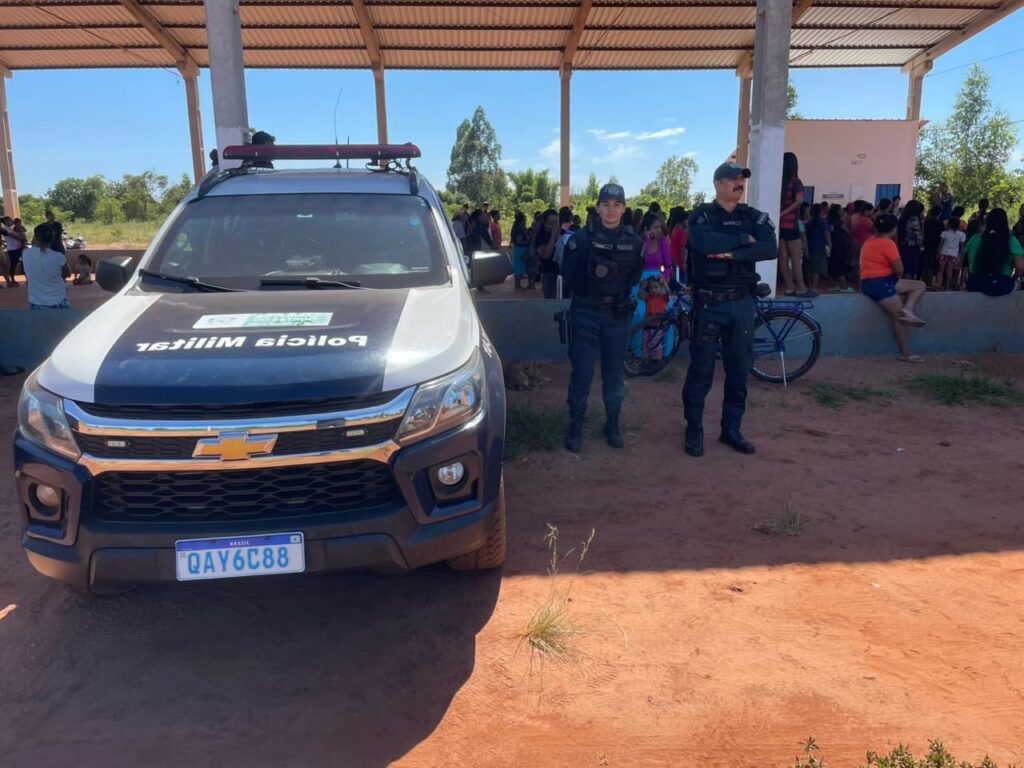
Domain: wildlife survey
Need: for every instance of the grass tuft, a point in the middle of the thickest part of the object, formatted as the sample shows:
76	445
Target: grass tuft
790	523
832	395
529	429
968	390
550	632
810	758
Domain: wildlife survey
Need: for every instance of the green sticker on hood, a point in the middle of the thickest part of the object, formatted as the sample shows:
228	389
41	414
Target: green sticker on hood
265	320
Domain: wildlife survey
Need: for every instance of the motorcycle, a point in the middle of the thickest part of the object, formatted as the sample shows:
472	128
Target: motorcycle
74	242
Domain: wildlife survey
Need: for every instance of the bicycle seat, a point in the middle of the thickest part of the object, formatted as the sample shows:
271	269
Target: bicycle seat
763	291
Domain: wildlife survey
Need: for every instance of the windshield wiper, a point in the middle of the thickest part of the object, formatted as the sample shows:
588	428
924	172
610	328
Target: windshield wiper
191	282
310	283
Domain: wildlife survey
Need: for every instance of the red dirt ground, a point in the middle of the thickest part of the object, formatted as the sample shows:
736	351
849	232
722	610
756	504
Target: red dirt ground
897	615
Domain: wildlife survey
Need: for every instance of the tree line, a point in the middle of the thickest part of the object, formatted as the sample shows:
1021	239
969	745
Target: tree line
475	175
147	196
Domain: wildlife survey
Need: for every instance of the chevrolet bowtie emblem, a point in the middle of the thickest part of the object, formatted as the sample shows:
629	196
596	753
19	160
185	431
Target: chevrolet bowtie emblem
234	446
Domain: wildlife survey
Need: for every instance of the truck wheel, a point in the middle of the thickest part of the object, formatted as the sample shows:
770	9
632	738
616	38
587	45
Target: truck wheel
492	553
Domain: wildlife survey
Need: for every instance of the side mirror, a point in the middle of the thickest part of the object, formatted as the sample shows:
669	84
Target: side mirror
488	268
113	274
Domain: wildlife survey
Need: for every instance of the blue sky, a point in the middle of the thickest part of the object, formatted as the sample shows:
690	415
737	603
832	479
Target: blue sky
111	122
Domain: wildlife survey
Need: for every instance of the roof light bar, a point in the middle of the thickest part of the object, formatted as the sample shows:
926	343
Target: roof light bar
372	152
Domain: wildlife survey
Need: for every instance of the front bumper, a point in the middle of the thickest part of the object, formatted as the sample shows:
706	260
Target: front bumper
85	550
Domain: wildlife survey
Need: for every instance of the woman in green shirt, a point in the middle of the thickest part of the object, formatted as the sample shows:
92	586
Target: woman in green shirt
992	256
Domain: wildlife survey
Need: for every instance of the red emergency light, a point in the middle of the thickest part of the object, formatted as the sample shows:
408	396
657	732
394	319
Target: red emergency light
375	153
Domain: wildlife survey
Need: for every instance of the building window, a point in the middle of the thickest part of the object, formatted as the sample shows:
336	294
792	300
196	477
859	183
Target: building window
808	194
888	191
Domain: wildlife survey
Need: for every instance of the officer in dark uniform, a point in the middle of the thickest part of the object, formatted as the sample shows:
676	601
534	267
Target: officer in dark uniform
601	265
726	240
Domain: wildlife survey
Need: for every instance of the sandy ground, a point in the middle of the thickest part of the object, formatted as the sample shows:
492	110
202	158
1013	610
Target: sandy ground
895	617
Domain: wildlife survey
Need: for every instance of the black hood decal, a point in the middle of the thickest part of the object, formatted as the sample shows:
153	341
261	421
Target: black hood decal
183	349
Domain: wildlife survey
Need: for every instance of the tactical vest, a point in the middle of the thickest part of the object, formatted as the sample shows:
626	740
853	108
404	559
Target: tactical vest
610	263
724	272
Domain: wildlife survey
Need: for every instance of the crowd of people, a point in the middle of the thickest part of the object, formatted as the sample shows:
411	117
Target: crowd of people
42	256
938	245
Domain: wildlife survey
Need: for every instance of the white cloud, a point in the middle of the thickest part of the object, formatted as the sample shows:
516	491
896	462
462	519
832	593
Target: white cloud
619	153
664	133
510	162
551	149
690	154
602	135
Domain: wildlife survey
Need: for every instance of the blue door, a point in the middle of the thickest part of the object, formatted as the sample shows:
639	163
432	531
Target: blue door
888	191
808	194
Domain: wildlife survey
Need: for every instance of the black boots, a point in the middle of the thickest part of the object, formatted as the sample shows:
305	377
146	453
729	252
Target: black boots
733	438
611	428
694	444
574	437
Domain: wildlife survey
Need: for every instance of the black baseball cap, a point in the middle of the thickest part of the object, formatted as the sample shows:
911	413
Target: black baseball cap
612	192
731	171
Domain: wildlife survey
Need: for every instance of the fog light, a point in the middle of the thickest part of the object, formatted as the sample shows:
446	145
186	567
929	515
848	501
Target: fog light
48	496
451	474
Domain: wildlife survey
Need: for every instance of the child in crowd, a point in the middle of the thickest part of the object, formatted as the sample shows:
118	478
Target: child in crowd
654	293
951	247
83	272
818	245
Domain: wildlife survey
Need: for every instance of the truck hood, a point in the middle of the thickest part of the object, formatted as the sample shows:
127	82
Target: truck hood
145	348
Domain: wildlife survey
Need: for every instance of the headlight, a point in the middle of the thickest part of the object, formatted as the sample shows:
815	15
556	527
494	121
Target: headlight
41	419
445	403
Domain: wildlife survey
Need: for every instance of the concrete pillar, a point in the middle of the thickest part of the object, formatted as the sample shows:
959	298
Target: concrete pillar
564	195
743	122
227	75
916	89
382	106
7	155
195	124
768	114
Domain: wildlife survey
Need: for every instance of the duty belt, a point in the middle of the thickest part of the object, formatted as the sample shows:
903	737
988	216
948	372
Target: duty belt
709	296
602	304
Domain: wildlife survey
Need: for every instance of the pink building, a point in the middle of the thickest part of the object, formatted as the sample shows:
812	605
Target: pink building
846	160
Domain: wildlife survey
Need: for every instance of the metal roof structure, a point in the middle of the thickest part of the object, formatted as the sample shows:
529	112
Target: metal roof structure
476	34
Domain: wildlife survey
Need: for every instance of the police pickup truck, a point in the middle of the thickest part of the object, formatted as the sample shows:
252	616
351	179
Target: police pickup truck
294	379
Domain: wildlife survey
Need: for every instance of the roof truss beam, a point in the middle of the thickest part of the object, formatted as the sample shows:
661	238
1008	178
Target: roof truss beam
187	65
953	39
579	23
369	35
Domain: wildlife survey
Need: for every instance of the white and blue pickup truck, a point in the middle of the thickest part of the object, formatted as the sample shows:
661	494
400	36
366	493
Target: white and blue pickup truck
294	379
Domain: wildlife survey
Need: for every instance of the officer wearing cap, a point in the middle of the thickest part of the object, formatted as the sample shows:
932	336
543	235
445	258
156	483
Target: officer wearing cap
601	265
726	239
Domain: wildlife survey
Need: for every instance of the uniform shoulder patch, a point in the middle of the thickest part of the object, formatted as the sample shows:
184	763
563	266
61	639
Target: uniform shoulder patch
765	220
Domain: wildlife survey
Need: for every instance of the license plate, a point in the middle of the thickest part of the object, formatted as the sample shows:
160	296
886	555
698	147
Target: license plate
234	556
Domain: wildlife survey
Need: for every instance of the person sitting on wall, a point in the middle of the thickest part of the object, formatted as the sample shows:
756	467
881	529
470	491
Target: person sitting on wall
992	256
881	279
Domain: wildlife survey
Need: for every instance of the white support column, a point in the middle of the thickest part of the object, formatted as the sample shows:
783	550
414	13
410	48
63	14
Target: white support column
743	122
564	196
7	154
195	123
768	114
227	74
382	105
916	88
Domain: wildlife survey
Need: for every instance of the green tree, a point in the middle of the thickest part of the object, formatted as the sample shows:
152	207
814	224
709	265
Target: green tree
174	194
699	199
972	149
475	172
77	196
673	181
109	211
593	189
138	194
792	97
32	209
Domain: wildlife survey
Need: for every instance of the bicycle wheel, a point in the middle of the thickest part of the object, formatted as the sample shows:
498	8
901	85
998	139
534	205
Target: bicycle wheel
786	345
639	360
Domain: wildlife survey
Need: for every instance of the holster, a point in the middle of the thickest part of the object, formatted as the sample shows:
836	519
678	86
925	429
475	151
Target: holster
564	321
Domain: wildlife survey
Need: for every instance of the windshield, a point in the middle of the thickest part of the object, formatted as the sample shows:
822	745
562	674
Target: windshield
376	241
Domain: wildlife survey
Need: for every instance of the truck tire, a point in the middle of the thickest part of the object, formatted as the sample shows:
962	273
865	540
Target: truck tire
492	553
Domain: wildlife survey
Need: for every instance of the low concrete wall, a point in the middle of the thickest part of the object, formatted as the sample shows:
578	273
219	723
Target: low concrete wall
958	323
852	325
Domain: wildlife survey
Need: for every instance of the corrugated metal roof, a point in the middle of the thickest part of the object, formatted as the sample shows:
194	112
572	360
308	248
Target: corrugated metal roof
480	34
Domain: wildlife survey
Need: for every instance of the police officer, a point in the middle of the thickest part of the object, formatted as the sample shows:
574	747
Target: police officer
601	265
726	239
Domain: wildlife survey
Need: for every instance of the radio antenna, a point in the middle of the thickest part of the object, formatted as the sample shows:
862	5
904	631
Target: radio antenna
337	160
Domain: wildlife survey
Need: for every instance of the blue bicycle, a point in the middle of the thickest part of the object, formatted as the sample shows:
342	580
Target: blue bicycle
787	340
